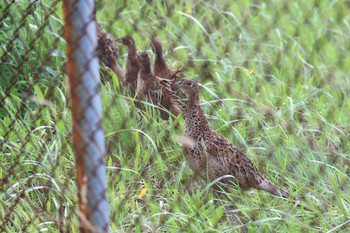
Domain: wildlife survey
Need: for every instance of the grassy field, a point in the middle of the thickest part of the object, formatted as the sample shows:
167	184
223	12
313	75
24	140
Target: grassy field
275	79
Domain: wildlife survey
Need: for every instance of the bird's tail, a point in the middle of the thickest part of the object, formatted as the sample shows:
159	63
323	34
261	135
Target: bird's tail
157	47
268	186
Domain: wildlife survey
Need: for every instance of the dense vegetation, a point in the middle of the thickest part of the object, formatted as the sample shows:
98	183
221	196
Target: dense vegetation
275	79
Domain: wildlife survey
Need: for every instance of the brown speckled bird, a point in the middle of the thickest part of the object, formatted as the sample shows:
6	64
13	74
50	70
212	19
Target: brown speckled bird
107	52
160	67
211	155
158	90
132	64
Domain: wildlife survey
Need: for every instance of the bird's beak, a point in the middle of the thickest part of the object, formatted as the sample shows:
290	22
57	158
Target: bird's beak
178	84
118	40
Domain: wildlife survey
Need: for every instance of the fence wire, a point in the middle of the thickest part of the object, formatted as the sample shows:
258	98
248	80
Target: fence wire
33	111
54	154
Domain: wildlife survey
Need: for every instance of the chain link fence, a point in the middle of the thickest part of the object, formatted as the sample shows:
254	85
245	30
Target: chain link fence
78	155
37	160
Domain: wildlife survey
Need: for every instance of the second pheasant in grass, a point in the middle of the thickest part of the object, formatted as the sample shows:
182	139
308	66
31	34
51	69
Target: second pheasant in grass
211	155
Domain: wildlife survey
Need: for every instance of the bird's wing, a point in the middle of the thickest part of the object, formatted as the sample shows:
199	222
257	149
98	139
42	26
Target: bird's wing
233	160
164	83
217	145
175	99
175	73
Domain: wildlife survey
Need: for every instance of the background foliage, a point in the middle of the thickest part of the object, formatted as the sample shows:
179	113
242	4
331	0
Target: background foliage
275	78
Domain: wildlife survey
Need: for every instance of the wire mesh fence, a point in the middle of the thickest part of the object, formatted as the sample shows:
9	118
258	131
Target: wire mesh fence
82	149
33	115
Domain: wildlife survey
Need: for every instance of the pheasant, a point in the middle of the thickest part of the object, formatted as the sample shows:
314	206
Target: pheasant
162	70
160	67
107	52
132	64
158	90
211	155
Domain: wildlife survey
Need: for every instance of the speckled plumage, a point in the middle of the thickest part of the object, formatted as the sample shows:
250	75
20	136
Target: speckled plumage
107	52
161	68
156	89
211	155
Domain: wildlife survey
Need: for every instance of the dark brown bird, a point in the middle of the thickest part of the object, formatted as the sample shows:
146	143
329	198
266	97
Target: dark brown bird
160	67
107	52
156	89
211	155
132	64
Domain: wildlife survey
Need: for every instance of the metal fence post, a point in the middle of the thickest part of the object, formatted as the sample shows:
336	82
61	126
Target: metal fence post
80	32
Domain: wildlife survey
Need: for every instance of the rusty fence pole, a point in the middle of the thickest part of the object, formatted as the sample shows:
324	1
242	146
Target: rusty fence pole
83	73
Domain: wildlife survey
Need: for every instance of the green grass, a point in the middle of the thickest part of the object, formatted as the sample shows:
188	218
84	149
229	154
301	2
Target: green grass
275	79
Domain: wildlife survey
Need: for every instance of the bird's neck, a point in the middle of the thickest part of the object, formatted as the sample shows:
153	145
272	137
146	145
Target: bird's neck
132	51
193	101
195	121
145	70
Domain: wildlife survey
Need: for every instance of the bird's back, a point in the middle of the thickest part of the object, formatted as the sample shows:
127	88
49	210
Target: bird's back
215	156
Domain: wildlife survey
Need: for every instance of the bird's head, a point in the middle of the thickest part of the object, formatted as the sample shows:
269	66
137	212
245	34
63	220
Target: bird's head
188	85
126	40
